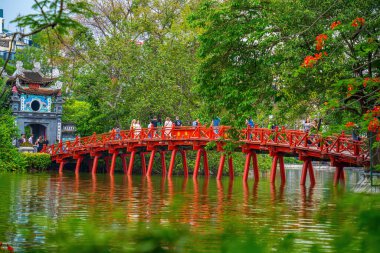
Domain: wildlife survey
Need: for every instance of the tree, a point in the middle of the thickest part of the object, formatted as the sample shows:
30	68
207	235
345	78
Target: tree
252	51
136	60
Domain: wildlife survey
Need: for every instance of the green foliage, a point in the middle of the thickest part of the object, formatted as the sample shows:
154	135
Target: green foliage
26	144
10	158
78	112
37	161
234	73
55	13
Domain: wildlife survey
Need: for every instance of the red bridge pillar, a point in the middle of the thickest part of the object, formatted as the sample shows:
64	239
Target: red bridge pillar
221	166
339	176
131	162
95	163
78	163
151	161
143	163
201	152
280	159
124	163
61	165
307	166
172	162
113	161
163	163
248	157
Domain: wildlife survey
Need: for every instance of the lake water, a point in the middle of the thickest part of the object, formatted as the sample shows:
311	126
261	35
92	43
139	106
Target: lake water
203	204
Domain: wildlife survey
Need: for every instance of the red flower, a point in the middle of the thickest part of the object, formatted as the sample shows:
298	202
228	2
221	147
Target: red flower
334	24
350	124
358	21
321	38
366	81
373	125
350	87
10	248
376	111
310	60
378	136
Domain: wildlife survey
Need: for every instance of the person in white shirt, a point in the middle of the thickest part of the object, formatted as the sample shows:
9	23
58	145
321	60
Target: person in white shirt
30	140
168	127
137	128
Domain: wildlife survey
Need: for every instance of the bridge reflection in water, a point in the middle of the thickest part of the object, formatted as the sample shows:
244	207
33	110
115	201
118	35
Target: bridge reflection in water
143	198
124	200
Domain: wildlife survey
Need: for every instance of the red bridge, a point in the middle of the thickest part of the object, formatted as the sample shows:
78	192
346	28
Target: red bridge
340	150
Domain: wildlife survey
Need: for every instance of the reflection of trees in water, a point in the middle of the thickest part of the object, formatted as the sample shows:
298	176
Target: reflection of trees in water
201	202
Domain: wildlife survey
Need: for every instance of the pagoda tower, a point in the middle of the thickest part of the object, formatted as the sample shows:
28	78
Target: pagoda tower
36	102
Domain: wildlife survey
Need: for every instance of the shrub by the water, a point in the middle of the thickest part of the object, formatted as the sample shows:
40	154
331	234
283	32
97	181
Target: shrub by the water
10	158
37	161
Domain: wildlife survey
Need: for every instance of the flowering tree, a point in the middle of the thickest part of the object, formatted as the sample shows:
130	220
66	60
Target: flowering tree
355	97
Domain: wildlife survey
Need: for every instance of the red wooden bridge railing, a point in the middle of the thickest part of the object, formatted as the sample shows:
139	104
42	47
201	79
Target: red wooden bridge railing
340	149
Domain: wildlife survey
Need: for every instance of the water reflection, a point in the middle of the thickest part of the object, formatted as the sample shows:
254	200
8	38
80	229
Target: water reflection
123	199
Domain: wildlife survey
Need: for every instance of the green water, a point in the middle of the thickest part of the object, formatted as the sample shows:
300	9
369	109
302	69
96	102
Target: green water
29	201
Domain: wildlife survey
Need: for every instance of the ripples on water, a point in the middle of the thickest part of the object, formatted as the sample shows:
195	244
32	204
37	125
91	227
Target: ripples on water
204	204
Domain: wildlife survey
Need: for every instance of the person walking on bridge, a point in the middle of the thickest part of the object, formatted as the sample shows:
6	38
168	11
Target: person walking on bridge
215	124
137	128
168	127
177	122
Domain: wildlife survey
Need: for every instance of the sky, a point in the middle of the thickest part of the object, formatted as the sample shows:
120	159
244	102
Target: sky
12	8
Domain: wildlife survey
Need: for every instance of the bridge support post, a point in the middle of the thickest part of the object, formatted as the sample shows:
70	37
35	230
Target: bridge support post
107	162
78	163
95	164
230	168
197	163
201	152
151	161
205	163
61	165
143	163
124	163
280	159
163	163
131	162
113	162
255	167
339	175
184	162
172	162
221	166
253	156
307	167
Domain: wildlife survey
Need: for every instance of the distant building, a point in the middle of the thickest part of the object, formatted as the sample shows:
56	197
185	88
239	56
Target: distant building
68	131
36	102
6	41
